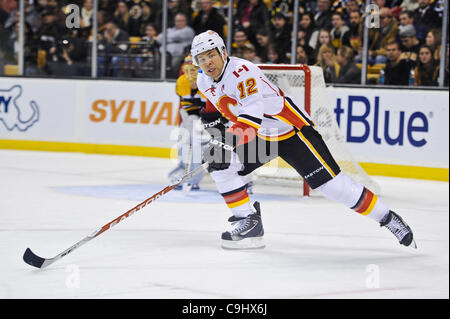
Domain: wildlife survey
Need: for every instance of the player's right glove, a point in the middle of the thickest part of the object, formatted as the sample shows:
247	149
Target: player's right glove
221	146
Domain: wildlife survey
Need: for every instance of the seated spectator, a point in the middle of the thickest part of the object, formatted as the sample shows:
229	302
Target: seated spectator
301	57
311	34
322	17
122	16
340	32
114	39
250	16
356	31
324	38
87	12
111	48
326	59
379	37
262	38
249	53
240	40
275	55
426	15
147	16
301	40
281	33
148	64
208	18
407	17
150	33
178	39
410	44
426	72
397	70
433	40
348	72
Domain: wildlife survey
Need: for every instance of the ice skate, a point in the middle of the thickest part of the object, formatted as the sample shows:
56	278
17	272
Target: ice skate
399	228
247	233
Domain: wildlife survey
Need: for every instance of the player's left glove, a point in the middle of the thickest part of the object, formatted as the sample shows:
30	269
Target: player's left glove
219	151
224	142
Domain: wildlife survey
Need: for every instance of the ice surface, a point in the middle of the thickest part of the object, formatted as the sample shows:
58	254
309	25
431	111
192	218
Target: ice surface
171	249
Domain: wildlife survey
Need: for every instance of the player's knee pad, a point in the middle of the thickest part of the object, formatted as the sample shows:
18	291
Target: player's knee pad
342	189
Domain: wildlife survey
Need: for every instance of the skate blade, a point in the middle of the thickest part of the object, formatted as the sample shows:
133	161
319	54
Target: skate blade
247	243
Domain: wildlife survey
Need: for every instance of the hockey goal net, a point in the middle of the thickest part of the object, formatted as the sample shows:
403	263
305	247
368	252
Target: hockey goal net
307	85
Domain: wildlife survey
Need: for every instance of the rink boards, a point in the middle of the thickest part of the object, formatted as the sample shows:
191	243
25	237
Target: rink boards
391	132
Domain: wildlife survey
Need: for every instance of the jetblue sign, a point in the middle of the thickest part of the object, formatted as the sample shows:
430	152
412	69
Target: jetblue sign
405	127
382	128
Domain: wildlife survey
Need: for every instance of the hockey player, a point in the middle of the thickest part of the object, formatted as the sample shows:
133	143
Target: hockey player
191	140
264	116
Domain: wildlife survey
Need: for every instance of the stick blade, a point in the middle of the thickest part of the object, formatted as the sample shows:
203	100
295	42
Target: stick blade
32	259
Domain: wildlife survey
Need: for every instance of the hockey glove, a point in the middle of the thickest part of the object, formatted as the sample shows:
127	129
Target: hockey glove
224	141
221	146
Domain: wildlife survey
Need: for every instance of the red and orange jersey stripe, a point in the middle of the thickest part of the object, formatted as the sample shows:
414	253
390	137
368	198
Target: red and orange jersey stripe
292	115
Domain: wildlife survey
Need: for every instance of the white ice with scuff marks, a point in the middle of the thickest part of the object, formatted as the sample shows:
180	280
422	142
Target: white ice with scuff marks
171	249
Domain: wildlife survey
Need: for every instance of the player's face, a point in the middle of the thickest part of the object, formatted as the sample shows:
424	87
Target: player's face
211	63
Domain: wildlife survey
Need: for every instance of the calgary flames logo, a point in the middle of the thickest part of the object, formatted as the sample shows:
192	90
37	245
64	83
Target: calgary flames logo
224	107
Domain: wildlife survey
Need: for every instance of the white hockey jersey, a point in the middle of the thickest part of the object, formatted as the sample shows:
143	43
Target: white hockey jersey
245	94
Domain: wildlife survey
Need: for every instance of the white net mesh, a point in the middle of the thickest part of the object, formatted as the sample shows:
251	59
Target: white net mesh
292	82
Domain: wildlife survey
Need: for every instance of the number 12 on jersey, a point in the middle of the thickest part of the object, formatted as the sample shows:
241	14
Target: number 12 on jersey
248	89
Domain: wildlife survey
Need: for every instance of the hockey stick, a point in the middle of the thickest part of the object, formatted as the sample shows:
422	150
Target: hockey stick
34	260
185	187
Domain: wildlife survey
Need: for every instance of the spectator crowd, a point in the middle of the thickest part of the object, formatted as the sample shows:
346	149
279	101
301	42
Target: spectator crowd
404	46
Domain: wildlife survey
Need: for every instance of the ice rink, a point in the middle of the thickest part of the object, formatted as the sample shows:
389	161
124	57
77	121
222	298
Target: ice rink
171	249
